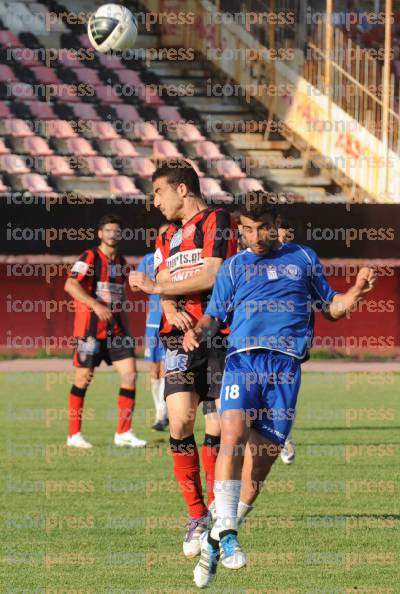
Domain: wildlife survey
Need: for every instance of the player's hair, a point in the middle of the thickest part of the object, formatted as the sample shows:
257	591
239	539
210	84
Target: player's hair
179	171
257	205
109	218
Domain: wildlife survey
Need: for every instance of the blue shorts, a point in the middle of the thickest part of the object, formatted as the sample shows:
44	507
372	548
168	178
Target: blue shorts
154	349
265	384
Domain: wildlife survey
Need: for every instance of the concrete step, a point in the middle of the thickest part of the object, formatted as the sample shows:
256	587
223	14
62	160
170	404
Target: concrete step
274	159
175	69
256	142
214	105
309	194
294	177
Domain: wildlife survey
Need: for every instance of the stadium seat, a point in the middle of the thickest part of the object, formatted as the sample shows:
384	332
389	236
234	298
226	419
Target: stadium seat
142	167
85	111
5	111
69	59
9	39
229	169
46	75
7	74
149	95
100	166
24	91
3	187
35	146
127	112
88	76
129	77
13	164
66	93
188	133
146	132
169	113
195	167
80	147
121	185
26	58
107	94
250	184
211	188
35	184
207	150
57	166
110	62
15	127
42	111
165	149
57	128
122	148
4	150
100	130
84	40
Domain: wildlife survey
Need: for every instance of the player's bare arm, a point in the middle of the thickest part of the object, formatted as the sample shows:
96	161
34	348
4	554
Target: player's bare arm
343	303
180	319
204	280
75	289
205	328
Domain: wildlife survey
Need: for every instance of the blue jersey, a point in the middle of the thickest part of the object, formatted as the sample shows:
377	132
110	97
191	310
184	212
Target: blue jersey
268	300
154	304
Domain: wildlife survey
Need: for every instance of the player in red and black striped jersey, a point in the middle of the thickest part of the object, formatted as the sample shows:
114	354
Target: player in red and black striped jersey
97	284
187	258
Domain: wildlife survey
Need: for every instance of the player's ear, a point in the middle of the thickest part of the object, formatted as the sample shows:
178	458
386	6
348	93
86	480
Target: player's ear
99	234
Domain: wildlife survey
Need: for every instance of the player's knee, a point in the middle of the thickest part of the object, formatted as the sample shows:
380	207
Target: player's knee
83	378
128	380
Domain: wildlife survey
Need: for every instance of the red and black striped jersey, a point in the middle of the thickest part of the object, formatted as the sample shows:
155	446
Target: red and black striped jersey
182	249
103	279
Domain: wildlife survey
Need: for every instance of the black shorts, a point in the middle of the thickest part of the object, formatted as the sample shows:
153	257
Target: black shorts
197	371
90	353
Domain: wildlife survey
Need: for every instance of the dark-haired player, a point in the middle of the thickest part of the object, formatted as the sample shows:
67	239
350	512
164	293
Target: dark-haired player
97	284
187	259
267	295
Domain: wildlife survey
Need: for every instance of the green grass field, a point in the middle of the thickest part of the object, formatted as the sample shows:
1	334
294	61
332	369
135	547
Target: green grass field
111	521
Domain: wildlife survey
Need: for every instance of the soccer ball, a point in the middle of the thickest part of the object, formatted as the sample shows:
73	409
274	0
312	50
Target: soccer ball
111	28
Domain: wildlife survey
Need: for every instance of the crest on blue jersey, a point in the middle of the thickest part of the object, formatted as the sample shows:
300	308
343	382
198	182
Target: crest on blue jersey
272	272
176	239
292	271
174	361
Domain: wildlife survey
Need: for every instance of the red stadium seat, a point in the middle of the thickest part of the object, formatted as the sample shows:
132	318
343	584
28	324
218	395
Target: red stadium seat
35	145
13	164
6	74
80	147
146	132
66	93
88	76
143	167
195	167
5	111
85	111
9	39
229	169
111	62
129	77
250	184
24	91
41	110
70	60
122	185
210	187
3	149
208	150
58	166
26	57
127	112
189	133
107	94
58	129
123	148
169	113
84	40
149	95
165	149
100	166
45	75
35	184
103	130
18	128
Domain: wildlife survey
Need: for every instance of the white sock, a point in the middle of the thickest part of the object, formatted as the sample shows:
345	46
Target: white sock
155	391
242	511
227	495
162	405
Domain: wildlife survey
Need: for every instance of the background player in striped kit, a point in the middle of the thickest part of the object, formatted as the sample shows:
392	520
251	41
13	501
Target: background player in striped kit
187	259
97	284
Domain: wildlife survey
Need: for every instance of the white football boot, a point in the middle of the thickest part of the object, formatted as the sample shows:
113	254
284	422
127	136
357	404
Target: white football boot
232	556
129	440
78	441
205	571
195	528
288	452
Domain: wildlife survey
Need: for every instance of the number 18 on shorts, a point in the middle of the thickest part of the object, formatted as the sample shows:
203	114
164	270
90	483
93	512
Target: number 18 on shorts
265	385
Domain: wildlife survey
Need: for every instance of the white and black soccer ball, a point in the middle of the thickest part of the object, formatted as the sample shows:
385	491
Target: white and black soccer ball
112	28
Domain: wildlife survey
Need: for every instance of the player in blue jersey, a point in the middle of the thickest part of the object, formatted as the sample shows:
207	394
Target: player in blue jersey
154	349
267	294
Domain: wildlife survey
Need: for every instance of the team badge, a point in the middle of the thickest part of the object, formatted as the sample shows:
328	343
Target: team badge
271	272
80	267
292	271
157	258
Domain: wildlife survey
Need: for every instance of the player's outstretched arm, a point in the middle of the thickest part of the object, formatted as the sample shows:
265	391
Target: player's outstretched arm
342	303
203	280
205	328
75	289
